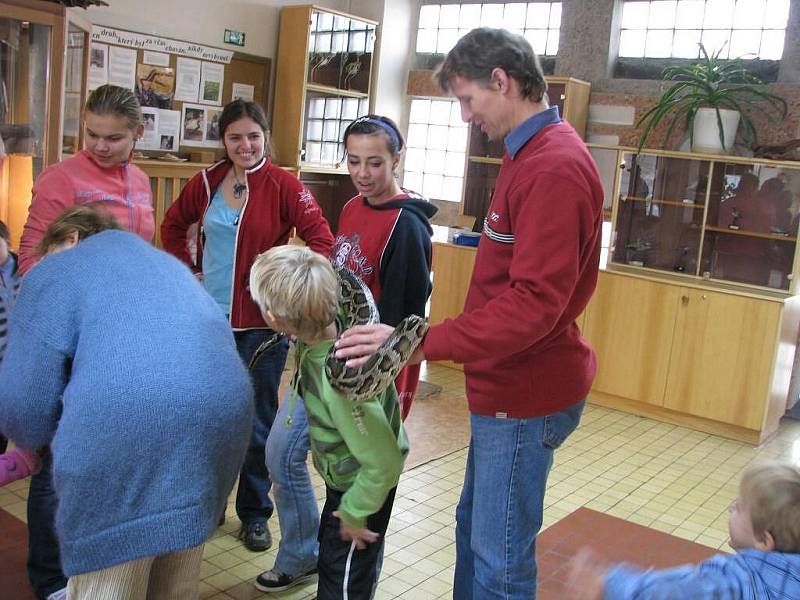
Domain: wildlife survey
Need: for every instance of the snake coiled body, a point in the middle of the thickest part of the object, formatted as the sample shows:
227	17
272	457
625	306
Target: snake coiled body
380	370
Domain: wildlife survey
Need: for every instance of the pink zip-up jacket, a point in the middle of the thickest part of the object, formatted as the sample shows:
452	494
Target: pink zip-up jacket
124	190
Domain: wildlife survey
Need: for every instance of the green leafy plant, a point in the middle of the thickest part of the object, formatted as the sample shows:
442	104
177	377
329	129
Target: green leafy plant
711	83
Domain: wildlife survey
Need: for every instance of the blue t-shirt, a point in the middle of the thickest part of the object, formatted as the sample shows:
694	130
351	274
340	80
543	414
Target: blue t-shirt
220	227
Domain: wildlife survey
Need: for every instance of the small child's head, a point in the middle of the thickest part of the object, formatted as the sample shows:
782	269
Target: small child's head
73	225
766	514
296	290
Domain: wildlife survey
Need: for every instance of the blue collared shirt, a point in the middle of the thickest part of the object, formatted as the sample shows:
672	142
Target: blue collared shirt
747	575
520	135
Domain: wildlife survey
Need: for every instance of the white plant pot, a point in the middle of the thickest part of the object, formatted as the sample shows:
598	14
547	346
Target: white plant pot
705	132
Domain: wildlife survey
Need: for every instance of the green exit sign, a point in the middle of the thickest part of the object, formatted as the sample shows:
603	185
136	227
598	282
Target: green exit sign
234	37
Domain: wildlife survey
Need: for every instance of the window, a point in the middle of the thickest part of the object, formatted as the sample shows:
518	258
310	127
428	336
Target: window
436	149
441	25
674	28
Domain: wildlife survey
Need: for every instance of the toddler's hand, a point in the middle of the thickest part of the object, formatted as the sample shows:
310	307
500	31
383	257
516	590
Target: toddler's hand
586	579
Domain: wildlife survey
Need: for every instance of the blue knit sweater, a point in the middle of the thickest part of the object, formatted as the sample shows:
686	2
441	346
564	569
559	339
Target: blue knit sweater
157	406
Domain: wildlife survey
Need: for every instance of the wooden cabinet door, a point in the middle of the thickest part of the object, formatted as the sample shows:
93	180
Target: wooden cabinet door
629	323
722	357
452	272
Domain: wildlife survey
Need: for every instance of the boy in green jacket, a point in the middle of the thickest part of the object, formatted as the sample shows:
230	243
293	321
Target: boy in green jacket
358	449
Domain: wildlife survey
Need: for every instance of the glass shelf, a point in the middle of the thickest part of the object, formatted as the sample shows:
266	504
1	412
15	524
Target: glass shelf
727	220
340	52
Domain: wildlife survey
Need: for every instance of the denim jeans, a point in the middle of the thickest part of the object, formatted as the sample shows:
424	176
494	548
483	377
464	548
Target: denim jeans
501	505
252	499
44	557
287	449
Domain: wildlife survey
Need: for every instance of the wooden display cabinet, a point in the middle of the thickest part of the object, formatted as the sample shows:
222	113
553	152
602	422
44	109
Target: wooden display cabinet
323	82
695	321
703	337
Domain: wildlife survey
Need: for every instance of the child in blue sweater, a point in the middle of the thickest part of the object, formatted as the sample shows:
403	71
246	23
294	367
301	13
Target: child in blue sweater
764	530
121	363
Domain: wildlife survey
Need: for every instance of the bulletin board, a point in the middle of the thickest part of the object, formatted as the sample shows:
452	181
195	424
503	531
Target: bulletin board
161	77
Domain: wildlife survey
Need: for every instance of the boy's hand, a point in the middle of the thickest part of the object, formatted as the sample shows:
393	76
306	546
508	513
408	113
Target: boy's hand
360	535
586	580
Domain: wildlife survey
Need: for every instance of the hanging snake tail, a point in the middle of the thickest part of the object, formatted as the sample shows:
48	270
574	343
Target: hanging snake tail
263	347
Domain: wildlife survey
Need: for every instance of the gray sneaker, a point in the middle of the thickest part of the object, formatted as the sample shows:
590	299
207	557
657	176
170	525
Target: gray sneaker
256	536
275	581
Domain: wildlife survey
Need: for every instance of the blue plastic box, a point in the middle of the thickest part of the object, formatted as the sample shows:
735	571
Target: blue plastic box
467	238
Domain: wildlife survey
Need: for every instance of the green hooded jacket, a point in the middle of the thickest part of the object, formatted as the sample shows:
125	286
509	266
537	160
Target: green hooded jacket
358	449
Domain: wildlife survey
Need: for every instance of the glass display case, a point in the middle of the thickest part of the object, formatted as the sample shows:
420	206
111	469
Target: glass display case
340	50
36	48
323	82
725	219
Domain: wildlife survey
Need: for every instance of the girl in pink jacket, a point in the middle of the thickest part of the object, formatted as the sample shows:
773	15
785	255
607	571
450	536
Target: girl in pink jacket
100	174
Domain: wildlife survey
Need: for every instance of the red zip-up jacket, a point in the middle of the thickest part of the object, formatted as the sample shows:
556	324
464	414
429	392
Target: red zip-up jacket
535	270
276	202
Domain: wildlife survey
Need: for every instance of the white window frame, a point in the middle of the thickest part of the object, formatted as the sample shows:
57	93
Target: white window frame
524	18
436	151
684	23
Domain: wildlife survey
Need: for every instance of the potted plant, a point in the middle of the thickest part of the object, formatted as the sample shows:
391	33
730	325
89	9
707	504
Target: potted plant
709	97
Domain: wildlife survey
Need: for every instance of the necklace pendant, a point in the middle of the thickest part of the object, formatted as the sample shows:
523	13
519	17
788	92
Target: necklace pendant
238	189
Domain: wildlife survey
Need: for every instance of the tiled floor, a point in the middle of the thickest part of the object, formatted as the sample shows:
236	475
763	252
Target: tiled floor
668	478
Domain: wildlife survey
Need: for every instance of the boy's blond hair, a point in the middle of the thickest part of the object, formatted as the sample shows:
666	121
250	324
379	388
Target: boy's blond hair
772	494
298	286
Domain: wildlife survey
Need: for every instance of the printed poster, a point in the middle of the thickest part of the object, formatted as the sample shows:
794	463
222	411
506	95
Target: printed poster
243	91
155	58
193	129
98	65
200	126
160	129
187	80
122	67
211	80
155	86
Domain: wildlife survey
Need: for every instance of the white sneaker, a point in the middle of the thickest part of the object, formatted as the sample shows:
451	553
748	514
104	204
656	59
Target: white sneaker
59	595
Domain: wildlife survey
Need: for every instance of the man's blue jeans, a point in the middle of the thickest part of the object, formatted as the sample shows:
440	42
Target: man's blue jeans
287	450
501	505
252	499
44	557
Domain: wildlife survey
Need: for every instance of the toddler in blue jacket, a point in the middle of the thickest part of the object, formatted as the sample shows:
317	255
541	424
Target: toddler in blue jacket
764	530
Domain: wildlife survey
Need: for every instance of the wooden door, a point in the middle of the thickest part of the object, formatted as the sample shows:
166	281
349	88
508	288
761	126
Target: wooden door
629	323
722	356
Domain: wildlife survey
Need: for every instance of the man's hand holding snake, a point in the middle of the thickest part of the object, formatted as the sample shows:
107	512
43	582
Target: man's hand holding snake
361	341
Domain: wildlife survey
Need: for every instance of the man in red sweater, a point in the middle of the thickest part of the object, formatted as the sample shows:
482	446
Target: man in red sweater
528	370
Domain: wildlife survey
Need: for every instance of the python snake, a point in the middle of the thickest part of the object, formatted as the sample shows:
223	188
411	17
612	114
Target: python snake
380	370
